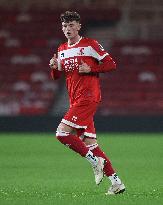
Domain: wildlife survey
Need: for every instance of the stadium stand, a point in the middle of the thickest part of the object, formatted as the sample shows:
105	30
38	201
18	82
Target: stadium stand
27	41
137	86
28	37
25	49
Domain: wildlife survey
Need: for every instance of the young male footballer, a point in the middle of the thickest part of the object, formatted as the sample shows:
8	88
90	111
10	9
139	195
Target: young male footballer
81	60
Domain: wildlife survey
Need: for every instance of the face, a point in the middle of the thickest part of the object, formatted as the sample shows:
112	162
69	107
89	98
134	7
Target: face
71	29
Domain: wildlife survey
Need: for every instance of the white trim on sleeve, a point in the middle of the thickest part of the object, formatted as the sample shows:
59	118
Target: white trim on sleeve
102	57
96	55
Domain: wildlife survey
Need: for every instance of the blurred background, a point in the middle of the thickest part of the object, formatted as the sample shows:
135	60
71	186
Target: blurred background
130	30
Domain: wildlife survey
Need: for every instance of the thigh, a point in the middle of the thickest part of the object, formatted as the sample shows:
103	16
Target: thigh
65	128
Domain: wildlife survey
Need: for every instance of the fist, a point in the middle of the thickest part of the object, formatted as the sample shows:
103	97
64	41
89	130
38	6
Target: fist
53	62
84	68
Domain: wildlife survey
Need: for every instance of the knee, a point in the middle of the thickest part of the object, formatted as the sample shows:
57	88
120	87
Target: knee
61	133
62	136
63	130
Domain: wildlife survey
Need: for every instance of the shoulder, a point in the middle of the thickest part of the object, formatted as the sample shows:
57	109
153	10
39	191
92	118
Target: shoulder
62	47
90	40
94	43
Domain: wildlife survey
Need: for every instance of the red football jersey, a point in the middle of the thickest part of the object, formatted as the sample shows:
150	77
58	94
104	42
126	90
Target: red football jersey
81	86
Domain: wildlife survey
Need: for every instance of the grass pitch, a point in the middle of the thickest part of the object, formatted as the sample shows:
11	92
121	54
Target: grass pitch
36	169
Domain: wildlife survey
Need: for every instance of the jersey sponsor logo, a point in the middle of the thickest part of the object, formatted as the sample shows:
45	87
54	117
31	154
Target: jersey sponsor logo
71	64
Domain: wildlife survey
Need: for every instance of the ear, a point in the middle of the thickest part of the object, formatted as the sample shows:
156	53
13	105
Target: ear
79	27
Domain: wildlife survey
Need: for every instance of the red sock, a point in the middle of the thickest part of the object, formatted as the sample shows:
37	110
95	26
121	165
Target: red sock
74	143
108	169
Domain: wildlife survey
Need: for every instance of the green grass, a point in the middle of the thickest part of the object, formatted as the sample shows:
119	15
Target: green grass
36	169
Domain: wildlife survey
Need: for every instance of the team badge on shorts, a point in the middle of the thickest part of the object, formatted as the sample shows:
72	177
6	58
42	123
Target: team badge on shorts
74	118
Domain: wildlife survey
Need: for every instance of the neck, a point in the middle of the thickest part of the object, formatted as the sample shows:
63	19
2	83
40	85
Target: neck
73	40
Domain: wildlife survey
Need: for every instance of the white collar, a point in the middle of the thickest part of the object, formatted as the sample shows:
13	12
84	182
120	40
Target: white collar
75	43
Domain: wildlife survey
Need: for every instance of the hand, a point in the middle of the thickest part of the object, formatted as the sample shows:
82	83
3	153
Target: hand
54	62
84	68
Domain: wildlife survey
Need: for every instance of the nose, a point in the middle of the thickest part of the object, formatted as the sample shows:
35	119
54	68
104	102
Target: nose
68	28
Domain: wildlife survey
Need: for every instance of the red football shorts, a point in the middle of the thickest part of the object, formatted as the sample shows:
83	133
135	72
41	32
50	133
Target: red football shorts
80	116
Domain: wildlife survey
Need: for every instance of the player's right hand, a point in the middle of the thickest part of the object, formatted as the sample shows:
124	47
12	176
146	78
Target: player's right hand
54	62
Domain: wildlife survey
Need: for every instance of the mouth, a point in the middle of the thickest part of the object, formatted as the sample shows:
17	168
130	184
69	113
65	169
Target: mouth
68	33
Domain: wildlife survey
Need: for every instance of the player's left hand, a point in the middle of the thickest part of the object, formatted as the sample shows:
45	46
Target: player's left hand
84	67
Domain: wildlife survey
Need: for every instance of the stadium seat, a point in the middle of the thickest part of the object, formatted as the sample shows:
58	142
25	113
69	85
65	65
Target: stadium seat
137	85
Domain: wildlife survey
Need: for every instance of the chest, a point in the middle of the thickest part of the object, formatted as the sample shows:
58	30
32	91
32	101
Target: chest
71	58
70	64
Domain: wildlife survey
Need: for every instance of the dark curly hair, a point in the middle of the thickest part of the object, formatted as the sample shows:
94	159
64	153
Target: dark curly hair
70	16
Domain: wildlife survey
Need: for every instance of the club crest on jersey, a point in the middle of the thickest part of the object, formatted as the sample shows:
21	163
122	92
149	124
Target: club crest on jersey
74	118
81	52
